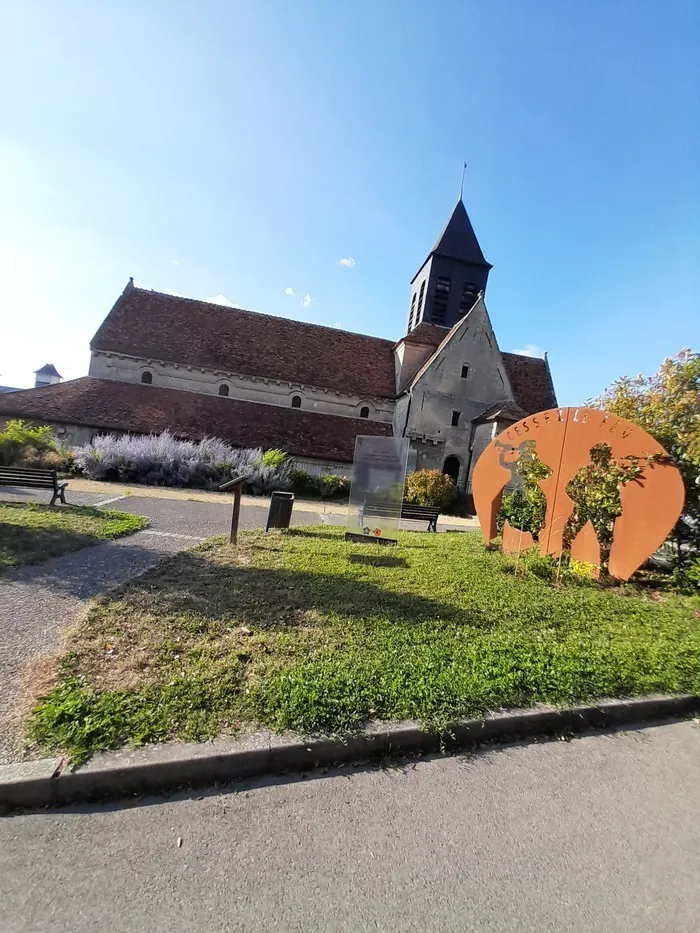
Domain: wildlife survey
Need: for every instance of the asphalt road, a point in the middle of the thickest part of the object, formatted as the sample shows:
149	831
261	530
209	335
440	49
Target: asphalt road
598	834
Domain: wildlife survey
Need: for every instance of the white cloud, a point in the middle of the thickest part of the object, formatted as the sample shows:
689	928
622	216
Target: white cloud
531	349
175	262
221	300
289	291
306	300
337	324
348	262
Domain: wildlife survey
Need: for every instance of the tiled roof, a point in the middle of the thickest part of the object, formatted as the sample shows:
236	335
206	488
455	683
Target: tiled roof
430	334
107	405
531	382
151	325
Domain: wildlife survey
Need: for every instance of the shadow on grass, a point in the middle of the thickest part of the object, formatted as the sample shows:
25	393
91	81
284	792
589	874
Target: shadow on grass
378	560
22	545
274	597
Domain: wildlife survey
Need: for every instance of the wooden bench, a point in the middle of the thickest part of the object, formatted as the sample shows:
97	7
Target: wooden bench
421	513
417	513
30	478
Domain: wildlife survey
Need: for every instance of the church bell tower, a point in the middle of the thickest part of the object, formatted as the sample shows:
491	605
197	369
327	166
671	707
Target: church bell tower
448	283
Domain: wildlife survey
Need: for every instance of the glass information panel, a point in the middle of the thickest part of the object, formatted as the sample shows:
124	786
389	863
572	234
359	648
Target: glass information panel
378	477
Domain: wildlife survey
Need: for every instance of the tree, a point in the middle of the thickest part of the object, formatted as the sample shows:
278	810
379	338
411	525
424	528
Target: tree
667	405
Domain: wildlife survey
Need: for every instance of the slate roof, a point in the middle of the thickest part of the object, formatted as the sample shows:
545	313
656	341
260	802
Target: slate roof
48	369
458	240
153	325
108	405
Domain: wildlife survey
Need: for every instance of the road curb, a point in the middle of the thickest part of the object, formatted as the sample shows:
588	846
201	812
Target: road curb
155	769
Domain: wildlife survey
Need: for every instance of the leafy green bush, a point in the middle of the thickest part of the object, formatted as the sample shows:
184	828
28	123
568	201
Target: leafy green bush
521	512
273	458
430	487
328	486
23	444
526	507
334	487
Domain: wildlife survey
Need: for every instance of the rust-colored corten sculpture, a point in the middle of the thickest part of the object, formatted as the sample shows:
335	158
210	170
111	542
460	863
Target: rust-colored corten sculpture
576	449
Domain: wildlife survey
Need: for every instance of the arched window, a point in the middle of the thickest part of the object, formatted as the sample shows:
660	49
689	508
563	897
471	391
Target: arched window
223	390
147	378
451	468
364	411
296	401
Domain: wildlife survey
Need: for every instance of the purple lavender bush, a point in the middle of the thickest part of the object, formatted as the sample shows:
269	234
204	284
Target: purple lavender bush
162	460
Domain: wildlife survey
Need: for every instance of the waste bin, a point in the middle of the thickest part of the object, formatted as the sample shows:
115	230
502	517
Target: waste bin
280	514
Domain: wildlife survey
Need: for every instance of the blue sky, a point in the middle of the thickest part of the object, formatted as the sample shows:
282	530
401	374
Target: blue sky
242	149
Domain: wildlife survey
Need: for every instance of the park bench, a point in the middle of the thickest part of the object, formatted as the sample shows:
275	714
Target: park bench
29	478
416	513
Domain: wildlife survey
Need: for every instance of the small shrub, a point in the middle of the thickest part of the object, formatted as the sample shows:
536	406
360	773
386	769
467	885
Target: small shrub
273	458
520	512
430	487
334	487
328	486
22	444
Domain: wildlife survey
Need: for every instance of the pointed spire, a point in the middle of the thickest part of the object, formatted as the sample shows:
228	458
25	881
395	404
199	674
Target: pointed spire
458	240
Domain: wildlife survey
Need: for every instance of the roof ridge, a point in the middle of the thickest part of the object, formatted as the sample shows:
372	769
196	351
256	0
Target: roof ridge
276	317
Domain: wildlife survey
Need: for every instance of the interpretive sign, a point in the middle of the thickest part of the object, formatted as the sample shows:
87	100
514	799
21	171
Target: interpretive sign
376	493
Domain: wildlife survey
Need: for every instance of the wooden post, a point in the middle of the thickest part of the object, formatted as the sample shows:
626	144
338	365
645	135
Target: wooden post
236	484
236	512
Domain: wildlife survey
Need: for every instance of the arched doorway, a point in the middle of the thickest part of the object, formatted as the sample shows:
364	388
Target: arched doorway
451	468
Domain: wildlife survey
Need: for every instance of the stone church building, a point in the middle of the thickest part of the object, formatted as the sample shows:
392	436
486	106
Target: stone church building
196	368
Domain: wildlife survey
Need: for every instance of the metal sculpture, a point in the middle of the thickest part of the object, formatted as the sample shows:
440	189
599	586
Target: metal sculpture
576	452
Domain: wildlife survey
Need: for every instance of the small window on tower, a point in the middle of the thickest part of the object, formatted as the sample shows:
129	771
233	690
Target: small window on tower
147	378
223	390
440	299
465	371
364	411
296	401
469	293
419	309
411	316
455	418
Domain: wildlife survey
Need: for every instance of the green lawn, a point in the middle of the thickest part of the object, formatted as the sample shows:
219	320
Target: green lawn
302	631
31	533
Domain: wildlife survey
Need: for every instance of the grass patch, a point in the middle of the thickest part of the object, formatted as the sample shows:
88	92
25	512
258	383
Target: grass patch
303	631
32	533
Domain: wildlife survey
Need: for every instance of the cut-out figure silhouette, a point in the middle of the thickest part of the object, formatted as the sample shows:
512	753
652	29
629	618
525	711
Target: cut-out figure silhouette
526	469
595	490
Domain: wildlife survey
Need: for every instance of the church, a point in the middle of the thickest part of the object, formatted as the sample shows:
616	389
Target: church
195	368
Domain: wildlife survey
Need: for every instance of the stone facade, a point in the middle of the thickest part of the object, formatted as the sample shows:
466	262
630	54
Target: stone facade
461	381
171	375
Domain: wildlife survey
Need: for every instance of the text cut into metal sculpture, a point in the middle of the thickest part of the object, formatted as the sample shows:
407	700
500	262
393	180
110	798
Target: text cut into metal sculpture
376	493
580	456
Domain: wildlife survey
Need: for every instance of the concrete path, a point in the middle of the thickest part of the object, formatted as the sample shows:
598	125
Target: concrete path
597	835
